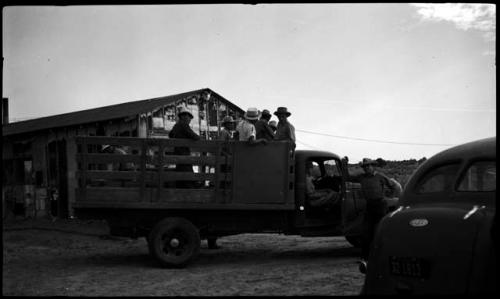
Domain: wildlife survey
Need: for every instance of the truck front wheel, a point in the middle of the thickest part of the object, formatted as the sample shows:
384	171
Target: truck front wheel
174	242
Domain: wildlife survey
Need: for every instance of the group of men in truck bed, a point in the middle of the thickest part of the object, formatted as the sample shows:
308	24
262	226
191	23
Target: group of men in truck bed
257	127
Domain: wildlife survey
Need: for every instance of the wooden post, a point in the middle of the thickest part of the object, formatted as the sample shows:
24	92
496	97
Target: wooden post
143	169
218	153
161	153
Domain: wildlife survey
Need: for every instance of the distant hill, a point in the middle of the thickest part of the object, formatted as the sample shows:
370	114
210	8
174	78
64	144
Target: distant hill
399	170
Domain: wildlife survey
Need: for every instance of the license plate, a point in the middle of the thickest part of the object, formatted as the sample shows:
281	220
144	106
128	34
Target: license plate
409	266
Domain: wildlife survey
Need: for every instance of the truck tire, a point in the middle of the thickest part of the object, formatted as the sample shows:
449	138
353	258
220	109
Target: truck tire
174	242
355	241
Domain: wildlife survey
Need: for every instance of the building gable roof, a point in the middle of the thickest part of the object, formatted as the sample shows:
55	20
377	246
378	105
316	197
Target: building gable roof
98	114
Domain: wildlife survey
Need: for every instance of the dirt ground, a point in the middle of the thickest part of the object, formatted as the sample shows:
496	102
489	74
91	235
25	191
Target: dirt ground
75	258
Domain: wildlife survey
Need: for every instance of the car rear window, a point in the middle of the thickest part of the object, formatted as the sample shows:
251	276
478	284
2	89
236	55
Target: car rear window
480	176
438	179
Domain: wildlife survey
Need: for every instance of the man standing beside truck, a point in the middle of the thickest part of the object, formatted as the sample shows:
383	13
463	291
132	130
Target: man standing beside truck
374	186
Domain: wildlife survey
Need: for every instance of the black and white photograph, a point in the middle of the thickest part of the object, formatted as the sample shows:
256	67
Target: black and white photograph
249	149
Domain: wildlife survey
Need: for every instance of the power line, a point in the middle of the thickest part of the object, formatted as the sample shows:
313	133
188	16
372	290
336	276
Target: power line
308	145
374	140
451	109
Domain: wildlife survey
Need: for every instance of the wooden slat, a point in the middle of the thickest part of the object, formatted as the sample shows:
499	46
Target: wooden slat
150	176
160	173
208	160
101	174
179	176
109	158
102	140
201	145
110	195
184	206
143	178
187	196
217	172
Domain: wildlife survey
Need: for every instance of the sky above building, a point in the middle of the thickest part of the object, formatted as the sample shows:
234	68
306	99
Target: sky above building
393	81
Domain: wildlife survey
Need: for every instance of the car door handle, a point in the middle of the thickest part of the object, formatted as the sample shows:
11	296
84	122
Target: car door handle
474	209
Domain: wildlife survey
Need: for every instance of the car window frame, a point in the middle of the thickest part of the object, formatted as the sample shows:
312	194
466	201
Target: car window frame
450	189
463	173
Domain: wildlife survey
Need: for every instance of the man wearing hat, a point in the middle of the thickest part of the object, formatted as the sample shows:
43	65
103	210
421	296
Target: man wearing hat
273	126
374	186
262	127
323	198
246	128
182	130
285	130
226	132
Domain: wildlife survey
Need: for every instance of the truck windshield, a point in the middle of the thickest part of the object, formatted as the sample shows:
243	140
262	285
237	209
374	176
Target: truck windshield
331	168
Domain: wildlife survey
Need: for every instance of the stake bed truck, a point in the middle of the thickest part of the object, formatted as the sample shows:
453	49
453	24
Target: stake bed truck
233	187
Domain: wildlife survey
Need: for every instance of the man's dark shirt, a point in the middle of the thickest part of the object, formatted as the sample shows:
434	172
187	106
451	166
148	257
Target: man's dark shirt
263	130
182	130
373	186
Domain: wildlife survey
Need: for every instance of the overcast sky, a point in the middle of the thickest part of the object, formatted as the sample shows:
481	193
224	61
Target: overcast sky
395	81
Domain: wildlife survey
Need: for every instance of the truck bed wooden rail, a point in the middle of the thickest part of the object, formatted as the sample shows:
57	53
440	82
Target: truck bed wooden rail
145	173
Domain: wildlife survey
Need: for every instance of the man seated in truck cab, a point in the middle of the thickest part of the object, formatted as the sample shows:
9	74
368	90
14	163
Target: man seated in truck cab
326	198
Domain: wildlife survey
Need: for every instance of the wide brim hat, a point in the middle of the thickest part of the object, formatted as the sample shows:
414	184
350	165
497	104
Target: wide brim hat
367	161
252	114
266	112
184	110
282	110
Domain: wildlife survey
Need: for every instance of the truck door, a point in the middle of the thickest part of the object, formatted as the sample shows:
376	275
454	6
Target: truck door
353	205
325	218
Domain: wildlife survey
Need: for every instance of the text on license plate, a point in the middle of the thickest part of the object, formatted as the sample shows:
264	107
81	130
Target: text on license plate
408	266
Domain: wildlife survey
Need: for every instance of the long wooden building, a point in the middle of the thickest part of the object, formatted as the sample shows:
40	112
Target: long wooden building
38	154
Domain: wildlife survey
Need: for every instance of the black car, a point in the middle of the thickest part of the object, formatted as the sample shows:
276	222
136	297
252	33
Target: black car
442	239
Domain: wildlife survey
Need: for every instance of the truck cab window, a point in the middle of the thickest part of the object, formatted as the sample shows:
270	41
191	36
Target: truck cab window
332	168
316	170
326	174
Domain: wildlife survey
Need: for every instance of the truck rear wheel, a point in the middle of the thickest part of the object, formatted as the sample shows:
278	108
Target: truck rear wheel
174	242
